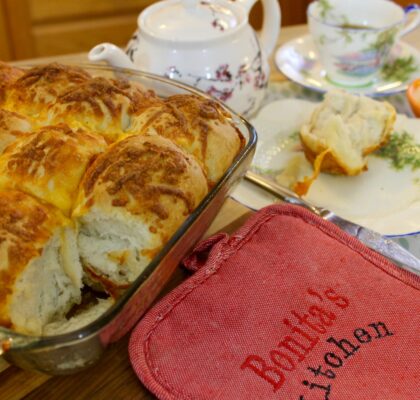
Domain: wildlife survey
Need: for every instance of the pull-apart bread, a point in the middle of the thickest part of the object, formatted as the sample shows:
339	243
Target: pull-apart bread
344	129
132	199
96	175
40	271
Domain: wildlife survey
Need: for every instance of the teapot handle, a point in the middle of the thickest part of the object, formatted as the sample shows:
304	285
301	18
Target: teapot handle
271	23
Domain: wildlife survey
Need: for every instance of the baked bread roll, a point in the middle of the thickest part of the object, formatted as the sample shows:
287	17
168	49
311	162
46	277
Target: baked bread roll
101	105
49	163
39	87
131	201
12	127
344	129
40	272
199	126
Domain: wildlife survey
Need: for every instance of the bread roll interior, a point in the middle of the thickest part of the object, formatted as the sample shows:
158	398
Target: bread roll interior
349	127
41	275
45	291
132	199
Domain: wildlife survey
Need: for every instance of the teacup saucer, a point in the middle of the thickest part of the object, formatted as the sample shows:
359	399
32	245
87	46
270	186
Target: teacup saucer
298	60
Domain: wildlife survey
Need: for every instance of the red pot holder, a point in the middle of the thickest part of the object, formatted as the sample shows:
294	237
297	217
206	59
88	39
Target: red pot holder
290	307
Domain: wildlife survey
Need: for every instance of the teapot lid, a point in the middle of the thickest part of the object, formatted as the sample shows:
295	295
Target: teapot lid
190	20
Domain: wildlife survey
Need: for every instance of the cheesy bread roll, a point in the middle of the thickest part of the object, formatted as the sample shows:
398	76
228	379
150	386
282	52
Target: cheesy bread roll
40	272
12	127
131	201
199	126
344	129
49	163
102	105
39	87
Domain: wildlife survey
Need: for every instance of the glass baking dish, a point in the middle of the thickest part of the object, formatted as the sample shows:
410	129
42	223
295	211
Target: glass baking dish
73	351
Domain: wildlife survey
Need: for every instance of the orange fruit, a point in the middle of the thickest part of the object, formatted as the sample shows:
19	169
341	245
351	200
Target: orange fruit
413	95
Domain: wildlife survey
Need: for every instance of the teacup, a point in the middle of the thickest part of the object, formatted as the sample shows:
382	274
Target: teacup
354	37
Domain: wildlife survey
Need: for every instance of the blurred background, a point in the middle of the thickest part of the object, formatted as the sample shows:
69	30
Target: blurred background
36	28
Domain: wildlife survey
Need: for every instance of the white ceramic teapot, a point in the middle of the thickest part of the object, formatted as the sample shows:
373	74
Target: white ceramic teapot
208	44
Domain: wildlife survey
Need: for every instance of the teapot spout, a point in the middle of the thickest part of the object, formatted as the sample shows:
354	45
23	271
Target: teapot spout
112	54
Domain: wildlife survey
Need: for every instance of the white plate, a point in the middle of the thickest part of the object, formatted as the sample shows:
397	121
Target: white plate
383	198
298	60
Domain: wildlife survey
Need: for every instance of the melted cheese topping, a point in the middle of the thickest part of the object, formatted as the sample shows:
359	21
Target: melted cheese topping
50	163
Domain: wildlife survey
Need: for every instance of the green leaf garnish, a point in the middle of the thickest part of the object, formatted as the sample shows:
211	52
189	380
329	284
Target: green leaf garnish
402	151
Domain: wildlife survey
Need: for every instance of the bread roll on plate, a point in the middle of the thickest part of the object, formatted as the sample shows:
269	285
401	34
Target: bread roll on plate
40	272
199	126
131	201
49	163
344	129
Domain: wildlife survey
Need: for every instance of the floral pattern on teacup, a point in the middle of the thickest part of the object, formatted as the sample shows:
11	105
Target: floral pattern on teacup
367	61
399	67
358	64
328	14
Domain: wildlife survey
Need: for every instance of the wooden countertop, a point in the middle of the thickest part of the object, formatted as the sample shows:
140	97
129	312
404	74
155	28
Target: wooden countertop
112	378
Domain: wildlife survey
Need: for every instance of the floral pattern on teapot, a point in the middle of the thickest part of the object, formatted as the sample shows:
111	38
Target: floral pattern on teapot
223	82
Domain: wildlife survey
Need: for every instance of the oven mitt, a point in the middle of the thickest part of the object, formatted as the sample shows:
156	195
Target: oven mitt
289	307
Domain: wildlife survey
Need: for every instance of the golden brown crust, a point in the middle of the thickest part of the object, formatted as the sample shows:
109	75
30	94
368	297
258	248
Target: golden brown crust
39	87
52	74
140	97
200	126
137	171
94	92
50	163
12	127
25	227
102	105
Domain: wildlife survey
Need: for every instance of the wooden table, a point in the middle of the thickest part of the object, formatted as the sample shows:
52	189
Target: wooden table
112	378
